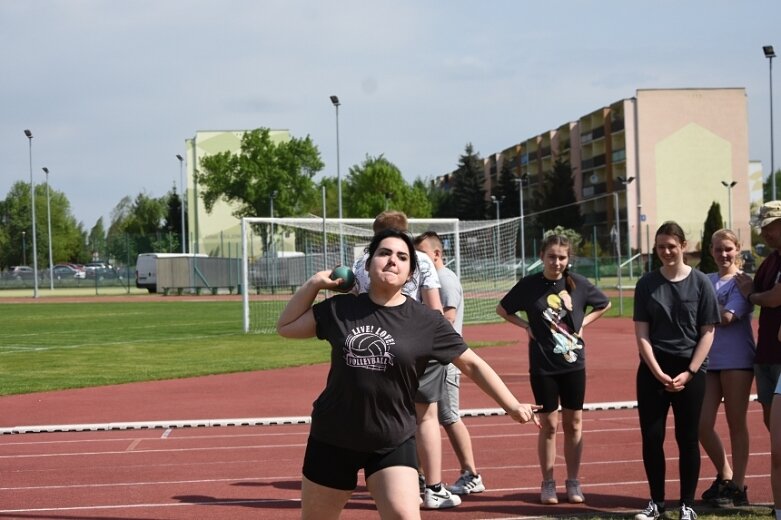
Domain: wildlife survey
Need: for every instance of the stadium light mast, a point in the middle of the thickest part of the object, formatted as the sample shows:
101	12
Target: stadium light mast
29	135
337	104
770	54
729	186
49	222
181	200
624	183
521	181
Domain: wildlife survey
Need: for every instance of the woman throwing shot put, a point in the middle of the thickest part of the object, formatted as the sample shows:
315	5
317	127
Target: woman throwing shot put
555	302
365	416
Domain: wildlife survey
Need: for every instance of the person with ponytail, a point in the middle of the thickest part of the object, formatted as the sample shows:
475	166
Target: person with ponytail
555	302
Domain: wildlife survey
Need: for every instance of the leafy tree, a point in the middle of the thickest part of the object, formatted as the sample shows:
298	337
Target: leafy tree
767	186
375	185
173	220
16	217
142	219
713	222
468	193
557	192
508	188
441	197
259	170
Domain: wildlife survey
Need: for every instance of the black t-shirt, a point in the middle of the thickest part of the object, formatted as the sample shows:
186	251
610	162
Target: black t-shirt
377	355
675	311
555	315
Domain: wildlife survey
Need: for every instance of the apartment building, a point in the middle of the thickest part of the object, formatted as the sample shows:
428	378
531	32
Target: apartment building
665	154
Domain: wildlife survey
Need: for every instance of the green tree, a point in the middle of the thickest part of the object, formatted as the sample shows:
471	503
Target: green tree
259	170
468	193
558	192
16	218
508	188
376	185
767	186
713	222
173	220
441	197
142	219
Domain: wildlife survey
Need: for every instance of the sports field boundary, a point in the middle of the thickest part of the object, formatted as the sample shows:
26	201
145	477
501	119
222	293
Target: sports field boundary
260	421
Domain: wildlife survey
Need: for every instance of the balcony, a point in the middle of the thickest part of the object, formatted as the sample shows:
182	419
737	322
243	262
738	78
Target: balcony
617	126
619	155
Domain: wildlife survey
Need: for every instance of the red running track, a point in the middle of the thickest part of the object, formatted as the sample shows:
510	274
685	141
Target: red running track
254	472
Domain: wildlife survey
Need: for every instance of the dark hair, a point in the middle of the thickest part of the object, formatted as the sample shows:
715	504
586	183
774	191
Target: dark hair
393	233
429	235
563	241
671	228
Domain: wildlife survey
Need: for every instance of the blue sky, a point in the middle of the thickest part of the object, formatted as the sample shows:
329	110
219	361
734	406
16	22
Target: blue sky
112	89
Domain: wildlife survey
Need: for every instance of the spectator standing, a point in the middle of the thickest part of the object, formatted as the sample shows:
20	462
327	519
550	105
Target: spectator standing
555	303
729	377
452	295
675	313
765	291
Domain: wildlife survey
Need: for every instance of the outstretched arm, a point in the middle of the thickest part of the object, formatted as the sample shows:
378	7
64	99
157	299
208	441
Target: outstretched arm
297	319
489	382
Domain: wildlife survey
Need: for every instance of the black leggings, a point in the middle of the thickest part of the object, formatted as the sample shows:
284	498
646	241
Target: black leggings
653	403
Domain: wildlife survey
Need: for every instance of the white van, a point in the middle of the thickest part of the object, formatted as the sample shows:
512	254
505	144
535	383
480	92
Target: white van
146	268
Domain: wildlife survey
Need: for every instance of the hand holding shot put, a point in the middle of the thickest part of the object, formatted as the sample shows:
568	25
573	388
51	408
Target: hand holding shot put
380	344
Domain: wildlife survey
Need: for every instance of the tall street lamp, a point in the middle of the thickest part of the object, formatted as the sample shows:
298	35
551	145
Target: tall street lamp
521	181
24	247
49	221
498	202
336	103
770	54
624	183
29	135
181	199
729	186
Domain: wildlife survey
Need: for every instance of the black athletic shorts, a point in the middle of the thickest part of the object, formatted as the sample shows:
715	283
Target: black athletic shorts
568	388
337	468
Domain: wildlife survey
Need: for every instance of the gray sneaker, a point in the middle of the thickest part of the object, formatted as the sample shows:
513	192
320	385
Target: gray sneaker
548	492
467	483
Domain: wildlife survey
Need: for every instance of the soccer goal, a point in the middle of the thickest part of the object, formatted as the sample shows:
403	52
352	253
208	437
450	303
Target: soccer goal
280	254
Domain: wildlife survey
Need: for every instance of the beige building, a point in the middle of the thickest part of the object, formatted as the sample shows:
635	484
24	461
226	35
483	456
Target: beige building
665	154
217	232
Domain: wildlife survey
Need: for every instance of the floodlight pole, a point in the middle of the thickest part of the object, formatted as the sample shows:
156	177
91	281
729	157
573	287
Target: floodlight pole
729	186
49	220
770	54
624	183
181	199
29	135
520	182
336	103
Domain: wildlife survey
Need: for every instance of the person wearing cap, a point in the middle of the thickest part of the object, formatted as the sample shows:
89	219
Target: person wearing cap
765	291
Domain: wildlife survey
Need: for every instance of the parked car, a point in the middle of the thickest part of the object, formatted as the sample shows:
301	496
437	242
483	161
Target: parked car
66	272
20	272
100	270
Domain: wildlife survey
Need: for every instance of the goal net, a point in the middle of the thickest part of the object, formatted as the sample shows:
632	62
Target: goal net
280	254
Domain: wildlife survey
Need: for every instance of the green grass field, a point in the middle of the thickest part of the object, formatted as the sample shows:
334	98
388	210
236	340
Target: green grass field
52	346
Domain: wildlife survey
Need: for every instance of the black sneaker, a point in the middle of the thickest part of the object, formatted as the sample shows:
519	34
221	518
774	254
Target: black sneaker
731	495
714	491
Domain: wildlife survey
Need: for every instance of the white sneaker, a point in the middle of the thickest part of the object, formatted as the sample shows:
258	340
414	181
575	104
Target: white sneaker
548	492
467	483
687	513
441	499
651	512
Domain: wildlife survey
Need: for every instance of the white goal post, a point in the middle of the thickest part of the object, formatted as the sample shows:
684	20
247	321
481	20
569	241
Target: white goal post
279	254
